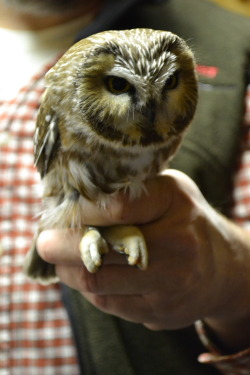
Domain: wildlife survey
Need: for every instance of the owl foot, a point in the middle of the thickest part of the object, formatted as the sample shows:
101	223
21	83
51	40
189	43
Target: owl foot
92	248
128	240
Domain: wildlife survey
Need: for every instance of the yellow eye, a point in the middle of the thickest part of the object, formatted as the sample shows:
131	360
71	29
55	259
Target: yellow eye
118	85
172	82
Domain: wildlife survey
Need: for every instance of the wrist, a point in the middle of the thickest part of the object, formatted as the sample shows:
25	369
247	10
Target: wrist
235	363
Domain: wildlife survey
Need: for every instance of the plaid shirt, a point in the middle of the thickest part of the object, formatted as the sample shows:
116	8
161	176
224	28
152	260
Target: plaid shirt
35	335
241	210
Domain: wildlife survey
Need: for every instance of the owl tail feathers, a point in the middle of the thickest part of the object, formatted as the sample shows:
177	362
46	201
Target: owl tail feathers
36	269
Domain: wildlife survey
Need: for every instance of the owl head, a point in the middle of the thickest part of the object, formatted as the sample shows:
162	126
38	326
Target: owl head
129	88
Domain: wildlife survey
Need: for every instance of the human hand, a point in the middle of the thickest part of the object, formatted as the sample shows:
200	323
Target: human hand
192	252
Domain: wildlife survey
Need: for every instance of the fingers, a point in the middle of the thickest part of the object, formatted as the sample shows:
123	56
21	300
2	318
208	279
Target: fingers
129	306
60	246
133	308
158	199
109	280
122	210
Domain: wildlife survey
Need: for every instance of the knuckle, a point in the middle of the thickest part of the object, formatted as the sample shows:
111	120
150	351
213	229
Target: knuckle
88	281
88	286
101	302
154	326
47	256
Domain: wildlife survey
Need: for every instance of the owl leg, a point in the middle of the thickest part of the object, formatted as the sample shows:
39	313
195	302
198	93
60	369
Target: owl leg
92	248
129	241
37	269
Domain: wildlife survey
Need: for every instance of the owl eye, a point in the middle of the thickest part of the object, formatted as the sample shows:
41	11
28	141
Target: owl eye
118	85
172	82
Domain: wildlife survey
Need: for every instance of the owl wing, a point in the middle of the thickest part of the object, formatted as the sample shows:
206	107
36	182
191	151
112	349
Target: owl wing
47	138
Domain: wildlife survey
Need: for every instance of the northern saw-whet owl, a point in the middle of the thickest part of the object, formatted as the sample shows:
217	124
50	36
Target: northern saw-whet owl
113	113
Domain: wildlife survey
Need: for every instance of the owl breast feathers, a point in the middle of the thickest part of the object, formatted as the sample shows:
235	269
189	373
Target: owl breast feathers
114	112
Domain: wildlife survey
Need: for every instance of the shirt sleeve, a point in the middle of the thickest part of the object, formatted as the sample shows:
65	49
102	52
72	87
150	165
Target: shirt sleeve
228	364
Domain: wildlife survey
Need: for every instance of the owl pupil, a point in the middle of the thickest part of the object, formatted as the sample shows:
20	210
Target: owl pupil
172	81
117	85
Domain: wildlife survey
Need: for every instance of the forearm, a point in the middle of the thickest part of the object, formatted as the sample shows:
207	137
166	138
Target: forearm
230	322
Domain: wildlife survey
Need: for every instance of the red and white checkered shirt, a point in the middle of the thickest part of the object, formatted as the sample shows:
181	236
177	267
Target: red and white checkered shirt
35	334
241	210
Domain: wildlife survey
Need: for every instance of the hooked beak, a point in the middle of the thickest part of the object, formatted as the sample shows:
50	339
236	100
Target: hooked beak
149	132
149	112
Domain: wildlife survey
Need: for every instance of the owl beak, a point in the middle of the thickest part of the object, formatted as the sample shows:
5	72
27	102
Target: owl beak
149	133
149	112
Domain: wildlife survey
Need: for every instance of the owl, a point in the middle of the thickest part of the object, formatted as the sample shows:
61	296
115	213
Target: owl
114	112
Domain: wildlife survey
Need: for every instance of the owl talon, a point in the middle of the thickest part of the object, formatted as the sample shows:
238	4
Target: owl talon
138	254
94	254
128	240
92	249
